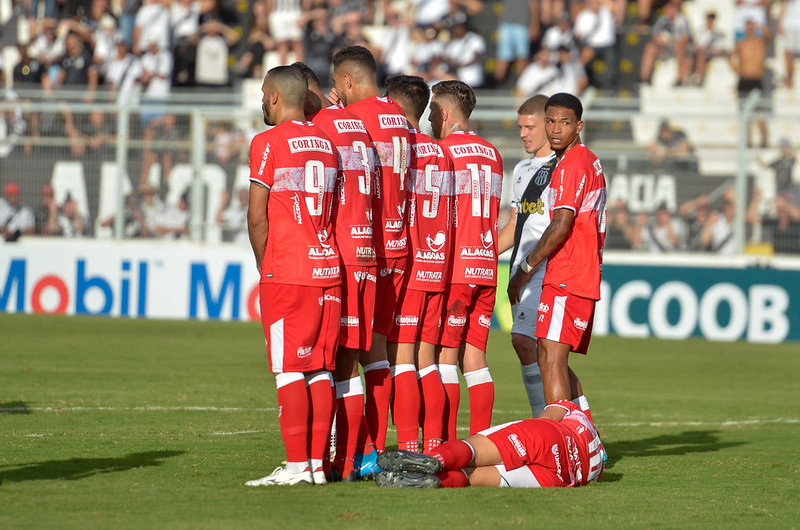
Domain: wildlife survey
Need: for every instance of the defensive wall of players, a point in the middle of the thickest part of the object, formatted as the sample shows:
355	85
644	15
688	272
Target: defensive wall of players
665	296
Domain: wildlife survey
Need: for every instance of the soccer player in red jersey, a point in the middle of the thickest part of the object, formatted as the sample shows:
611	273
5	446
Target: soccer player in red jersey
417	320
352	220
531	453
293	170
355	79
470	299
573	246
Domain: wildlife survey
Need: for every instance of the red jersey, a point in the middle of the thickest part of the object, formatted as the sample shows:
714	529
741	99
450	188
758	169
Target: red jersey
578	183
478	183
583	445
430	219
387	126
358	173
297	162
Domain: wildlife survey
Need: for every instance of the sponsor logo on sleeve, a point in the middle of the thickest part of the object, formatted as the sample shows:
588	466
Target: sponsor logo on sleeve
264	157
310	143
597	167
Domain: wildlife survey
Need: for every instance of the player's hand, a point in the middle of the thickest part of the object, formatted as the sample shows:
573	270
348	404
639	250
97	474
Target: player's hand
333	97
515	285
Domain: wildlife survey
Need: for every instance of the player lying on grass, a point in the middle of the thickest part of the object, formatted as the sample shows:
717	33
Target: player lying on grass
531	453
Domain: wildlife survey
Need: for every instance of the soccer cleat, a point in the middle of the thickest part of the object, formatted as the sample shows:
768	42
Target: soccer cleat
406	479
366	465
281	477
319	477
399	460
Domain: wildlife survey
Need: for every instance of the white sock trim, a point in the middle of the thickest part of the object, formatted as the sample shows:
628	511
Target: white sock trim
317	377
287	378
422	372
449	374
377	365
582	402
478	377
402	369
351	387
530	369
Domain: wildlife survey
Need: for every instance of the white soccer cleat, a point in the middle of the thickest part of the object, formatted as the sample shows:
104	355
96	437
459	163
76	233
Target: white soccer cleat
319	477
281	477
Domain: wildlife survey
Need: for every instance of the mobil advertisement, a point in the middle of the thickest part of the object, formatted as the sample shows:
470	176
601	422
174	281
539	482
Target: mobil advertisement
641	297
129	279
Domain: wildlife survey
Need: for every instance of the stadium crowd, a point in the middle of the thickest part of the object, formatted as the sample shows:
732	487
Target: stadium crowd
542	46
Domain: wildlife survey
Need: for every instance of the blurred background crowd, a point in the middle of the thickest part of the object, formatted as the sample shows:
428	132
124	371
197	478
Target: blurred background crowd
144	52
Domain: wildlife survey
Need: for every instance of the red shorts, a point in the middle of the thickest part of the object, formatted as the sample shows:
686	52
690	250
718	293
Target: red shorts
468	314
301	326
565	318
418	317
387	295
358	306
536	443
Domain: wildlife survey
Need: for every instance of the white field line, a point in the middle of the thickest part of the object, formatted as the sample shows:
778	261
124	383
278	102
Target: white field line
727	423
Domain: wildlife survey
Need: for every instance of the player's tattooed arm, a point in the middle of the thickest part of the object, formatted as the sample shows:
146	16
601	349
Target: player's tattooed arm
257	221
554	235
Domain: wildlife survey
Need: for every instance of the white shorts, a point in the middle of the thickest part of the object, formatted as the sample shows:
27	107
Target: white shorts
524	312
522	477
283	26
791	40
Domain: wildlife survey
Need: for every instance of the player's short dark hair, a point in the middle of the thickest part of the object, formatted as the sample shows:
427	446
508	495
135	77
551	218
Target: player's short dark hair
290	83
411	91
533	105
308	73
357	56
567	101
459	93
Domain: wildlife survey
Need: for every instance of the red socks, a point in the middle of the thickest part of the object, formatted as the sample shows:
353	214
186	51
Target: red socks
454	456
321	398
481	399
449	375
405	406
378	393
349	416
432	407
293	414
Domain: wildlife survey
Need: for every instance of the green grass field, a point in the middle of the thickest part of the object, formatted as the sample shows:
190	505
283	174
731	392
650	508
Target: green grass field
108	423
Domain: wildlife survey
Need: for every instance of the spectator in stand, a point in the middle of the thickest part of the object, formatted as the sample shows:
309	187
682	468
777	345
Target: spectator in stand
319	44
748	60
48	50
671	34
28	74
50	11
428	53
430	12
395	57
718	234
353	34
518	27
746	10
44	212
782	228
709	43
789	27
68	222
284	20
670	145
664	234
573	79
259	42
151	208
77	72
185	25
96	28
123	72
695	214
152	24
127	20
156	78
783	166
620	230
560	34
233	217
539	77
464	54
16	219
172	222
596	32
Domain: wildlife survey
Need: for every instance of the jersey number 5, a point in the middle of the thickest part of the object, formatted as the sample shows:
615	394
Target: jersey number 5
430	207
